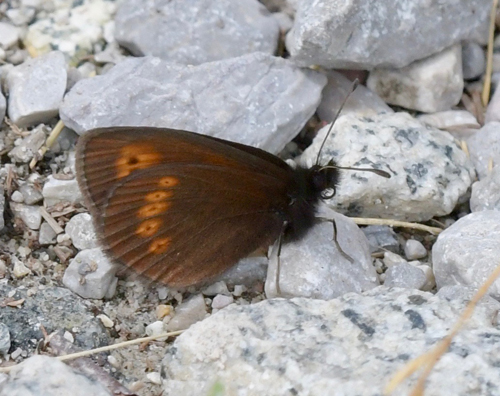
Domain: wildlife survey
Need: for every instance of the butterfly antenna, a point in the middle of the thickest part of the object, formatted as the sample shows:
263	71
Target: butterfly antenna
354	85
379	172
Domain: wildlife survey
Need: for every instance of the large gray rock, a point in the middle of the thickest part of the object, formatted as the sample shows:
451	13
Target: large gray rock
353	344
429	85
314	267
430	173
204	31
358	34
47	376
467	252
256	99
36	89
484	148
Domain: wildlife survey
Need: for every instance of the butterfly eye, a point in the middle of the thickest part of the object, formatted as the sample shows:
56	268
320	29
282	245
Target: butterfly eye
328	193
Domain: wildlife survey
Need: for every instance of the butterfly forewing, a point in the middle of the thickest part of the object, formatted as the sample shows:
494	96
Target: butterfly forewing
178	207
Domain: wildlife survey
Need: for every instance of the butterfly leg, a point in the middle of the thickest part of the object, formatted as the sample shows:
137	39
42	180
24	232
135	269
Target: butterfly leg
278	261
337	244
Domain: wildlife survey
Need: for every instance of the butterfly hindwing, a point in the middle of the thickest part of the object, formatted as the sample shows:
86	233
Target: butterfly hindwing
177	208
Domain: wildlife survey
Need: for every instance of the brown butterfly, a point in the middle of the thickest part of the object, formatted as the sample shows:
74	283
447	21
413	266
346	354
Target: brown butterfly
181	208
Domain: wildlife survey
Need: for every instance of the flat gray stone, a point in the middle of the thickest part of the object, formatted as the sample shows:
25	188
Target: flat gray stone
314	347
429	85
47	235
381	237
405	275
362	101
313	266
414	250
36	89
29	214
55	191
473	60
357	34
256	99
450	119
430	173
486	192
467	252
91	275
484	147
206	31
44	375
9	35
189	312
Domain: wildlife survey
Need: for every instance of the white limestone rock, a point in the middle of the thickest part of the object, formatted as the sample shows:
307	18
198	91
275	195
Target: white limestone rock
44	375
209	30
256	99
313	266
467	252
428	85
91	275
307	346
354	34
429	172
36	89
484	148
486	192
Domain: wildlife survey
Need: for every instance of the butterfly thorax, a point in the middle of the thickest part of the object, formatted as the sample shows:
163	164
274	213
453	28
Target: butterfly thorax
311	185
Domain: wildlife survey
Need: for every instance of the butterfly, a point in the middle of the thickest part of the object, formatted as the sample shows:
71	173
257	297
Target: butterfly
182	208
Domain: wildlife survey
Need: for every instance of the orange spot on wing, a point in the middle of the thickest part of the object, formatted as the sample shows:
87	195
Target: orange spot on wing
136	156
148	228
159	245
168	181
159	195
153	209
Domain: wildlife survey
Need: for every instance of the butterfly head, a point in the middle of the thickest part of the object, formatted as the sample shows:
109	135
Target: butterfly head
325	179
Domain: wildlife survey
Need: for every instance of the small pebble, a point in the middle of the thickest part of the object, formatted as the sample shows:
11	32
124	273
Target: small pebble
162	292
163	310
414	250
391	259
221	301
216	288
106	321
155	328
18	352
113	361
20	270
17	197
239	290
154	377
69	337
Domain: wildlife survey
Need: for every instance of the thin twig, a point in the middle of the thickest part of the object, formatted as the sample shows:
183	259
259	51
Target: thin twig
489	58
103	349
396	223
54	134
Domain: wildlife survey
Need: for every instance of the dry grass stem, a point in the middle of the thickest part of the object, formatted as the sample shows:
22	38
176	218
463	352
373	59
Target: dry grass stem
397	223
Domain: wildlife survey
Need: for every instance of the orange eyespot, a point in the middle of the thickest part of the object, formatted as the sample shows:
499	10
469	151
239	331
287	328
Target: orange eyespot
168	181
148	228
153	209
160	195
159	245
136	156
